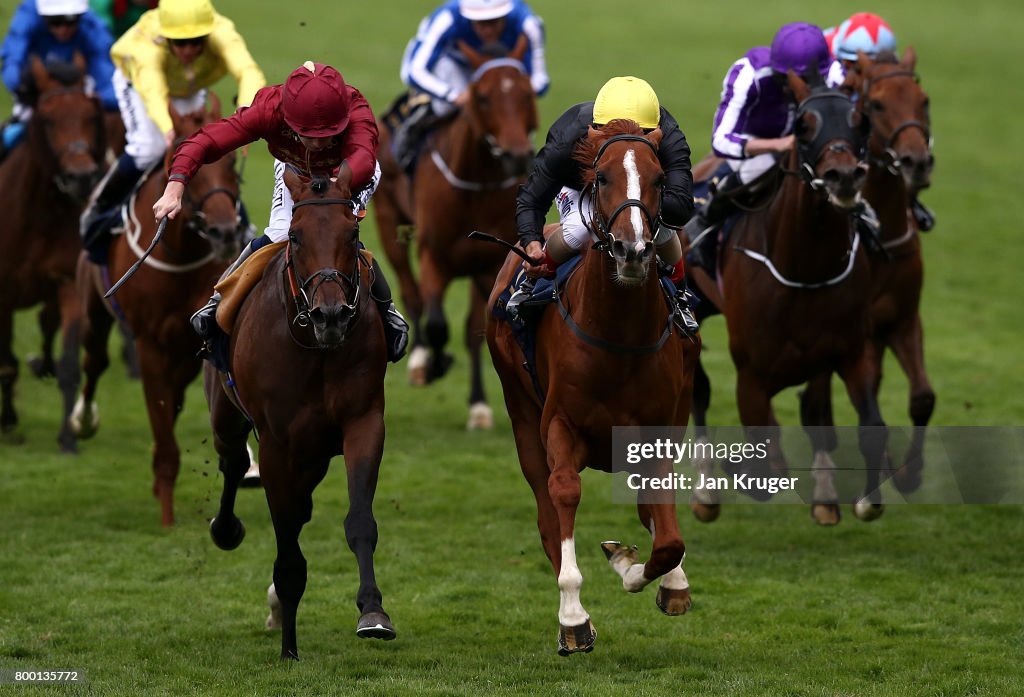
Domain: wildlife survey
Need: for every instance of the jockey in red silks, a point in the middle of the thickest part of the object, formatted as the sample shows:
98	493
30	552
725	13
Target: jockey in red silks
314	123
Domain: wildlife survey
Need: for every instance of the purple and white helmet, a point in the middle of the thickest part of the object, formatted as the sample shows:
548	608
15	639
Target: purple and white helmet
865	32
798	47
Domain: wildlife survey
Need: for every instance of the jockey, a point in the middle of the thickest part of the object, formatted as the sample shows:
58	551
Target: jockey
175	52
872	35
557	176
754	121
121	15
434	67
315	124
53	30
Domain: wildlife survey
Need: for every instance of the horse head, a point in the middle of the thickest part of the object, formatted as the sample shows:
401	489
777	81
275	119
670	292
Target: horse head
212	199
502	107
625	180
68	122
891	99
323	238
829	141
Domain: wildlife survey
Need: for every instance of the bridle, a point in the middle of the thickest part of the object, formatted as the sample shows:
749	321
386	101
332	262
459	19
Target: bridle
829	136
304	290
65	182
600	226
889	159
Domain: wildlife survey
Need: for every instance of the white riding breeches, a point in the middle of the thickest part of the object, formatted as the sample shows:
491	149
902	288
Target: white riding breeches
573	210
753	167
455	75
281	205
144	142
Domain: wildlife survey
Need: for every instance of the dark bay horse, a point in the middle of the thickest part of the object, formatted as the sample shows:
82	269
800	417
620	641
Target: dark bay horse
466	179
157	301
308	359
796	289
44	185
614	361
891	99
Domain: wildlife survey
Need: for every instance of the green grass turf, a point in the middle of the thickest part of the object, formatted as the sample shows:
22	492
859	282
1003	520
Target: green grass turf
923	602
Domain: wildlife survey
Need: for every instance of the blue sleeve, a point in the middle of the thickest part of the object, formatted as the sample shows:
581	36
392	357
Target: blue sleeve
18	42
97	43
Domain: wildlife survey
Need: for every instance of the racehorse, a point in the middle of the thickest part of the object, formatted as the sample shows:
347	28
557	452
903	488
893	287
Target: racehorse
308	360
157	301
796	287
45	184
614	360
466	179
890	98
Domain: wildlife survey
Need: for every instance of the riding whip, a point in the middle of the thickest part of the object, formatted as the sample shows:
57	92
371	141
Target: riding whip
135	267
484	237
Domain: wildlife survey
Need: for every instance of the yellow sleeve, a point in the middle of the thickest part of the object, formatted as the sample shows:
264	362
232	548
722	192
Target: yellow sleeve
231	46
141	58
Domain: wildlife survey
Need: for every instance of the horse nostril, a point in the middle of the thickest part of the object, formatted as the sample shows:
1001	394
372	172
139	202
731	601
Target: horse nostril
619	249
860	173
832	176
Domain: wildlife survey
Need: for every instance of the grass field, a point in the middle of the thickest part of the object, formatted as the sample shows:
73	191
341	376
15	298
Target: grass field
926	601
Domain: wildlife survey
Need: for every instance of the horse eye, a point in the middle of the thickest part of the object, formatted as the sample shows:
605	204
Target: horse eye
876	105
293	238
601	179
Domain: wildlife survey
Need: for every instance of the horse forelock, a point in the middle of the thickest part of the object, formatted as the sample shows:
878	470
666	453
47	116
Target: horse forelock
587	149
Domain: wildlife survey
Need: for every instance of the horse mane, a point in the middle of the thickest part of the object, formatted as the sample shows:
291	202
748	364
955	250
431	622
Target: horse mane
66	73
587	149
494	49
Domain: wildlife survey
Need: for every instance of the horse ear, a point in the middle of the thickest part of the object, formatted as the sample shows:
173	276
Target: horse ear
294	182
853	82
655	137
39	74
475	58
909	58
593	133
519	50
796	83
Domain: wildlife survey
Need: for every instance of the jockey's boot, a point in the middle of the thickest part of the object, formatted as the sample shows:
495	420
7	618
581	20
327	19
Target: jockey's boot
204	320
683	315
13	133
523	292
116	184
396	329
924	217
409	135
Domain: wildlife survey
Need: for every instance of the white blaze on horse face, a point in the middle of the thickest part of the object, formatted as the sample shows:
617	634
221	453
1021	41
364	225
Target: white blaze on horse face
507	84
633	192
570	580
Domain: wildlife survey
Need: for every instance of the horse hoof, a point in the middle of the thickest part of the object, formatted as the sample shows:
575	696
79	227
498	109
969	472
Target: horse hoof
615	551
84	420
418	359
68	444
706	512
227	535
439	368
867	511
480	417
579	639
375	625
672	601
825	513
40	367
907	479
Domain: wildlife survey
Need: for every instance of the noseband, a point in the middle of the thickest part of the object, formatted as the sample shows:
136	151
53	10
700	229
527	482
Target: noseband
598	225
303	291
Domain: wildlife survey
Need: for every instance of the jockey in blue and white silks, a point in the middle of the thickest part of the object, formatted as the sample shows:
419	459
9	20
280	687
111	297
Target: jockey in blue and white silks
755	116
434	65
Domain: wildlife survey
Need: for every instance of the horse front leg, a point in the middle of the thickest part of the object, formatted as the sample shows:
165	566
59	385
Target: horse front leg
705	503
43	365
8	377
859	376
68	370
433	284
363	450
816	417
128	352
85	417
760	425
230	431
162	405
907	342
576	632
480	414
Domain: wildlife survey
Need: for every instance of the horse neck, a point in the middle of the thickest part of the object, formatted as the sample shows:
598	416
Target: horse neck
628	315
888	195
806	236
37	170
463	151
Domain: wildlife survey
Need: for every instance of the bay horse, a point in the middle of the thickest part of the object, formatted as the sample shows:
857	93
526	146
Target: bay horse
466	179
615	360
795	291
308	360
158	300
890	98
44	185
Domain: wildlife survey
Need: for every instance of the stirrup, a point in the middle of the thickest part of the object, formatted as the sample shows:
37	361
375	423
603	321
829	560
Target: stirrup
524	292
396	332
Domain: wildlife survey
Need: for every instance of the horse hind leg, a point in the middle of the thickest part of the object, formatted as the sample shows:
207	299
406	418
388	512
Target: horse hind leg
43	365
433	283
908	345
69	373
816	417
872	435
85	418
8	378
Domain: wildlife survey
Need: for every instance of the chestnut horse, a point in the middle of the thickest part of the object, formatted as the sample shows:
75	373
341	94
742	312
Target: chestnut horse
157	301
615	360
890	98
45	184
796	289
308	359
465	180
